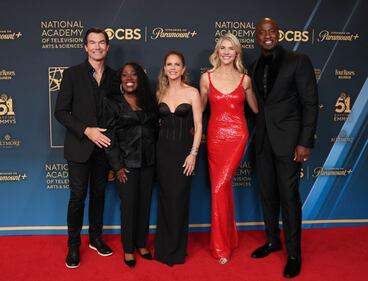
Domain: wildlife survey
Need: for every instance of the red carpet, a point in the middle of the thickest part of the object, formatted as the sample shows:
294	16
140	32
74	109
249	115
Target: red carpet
328	254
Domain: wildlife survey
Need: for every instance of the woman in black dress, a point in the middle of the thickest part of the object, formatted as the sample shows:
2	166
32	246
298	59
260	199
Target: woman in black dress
177	147
131	119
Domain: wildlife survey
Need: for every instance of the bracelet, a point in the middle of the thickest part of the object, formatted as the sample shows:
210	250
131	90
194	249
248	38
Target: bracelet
194	151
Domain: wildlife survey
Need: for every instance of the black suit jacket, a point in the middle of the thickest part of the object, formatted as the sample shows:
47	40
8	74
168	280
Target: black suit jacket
132	137
76	109
289	113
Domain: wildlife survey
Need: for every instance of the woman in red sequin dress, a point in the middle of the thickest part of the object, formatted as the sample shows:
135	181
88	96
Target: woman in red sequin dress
226	87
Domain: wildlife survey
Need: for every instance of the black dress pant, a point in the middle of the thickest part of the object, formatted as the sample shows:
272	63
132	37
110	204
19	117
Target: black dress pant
135	195
279	186
92	173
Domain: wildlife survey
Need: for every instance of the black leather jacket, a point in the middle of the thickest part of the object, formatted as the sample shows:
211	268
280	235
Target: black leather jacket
132	134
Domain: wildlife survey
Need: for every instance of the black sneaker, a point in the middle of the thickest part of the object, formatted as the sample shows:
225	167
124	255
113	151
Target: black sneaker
101	248
72	259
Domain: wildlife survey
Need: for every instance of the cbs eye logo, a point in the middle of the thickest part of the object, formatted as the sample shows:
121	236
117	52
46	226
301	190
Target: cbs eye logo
294	36
124	33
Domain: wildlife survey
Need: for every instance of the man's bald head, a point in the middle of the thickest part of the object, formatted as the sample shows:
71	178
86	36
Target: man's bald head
267	35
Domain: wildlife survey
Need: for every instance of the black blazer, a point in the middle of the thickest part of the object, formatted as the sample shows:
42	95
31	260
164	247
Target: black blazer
76	109
132	137
289	114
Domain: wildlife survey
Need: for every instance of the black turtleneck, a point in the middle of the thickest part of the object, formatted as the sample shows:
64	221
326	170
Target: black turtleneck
267	70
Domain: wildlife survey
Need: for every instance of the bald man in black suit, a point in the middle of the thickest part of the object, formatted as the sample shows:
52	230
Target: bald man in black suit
286	91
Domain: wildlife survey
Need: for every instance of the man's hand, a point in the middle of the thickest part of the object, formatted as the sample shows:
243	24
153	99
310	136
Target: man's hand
301	153
97	137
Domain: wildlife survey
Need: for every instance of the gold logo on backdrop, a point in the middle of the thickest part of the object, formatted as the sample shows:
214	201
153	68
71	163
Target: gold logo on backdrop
8	142
344	74
343	108
55	75
322	171
294	35
12	176
7	114
326	35
6	105
176	33
9	35
243	30
7	74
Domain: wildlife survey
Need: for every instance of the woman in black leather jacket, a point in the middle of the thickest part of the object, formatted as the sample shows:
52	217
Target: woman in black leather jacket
130	117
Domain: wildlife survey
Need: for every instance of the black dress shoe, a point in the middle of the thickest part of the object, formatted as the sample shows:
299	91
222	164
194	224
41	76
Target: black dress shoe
99	246
72	259
292	267
265	250
130	263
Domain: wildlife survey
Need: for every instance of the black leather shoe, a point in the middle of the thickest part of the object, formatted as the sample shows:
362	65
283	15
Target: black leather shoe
130	263
265	250
292	267
99	246
72	259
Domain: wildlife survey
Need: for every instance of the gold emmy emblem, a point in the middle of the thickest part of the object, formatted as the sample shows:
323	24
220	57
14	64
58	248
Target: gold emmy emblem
343	104
55	77
6	105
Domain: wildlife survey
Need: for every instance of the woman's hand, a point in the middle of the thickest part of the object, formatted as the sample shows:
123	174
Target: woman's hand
122	175
189	165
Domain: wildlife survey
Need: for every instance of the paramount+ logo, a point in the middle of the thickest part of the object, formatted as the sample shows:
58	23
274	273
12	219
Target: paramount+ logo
124	33
294	35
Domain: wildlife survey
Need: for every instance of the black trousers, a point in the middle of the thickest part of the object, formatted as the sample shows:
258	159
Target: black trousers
279	186
135	195
92	174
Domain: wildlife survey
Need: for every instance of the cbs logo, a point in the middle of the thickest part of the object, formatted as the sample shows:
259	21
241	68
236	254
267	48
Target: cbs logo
124	33
293	36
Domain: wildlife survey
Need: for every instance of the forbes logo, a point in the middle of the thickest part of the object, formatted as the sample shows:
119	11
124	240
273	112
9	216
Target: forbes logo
294	36
124	33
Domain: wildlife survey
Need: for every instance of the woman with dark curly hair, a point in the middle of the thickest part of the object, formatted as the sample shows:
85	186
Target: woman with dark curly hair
130	117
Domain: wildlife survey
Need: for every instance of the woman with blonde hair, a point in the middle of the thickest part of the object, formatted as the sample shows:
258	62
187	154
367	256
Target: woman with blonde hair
227	88
178	142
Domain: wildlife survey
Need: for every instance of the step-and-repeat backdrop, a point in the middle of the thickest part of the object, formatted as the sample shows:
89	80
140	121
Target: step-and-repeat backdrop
39	39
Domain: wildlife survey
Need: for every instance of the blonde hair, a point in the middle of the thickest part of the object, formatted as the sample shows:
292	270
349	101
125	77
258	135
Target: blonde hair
163	81
215	60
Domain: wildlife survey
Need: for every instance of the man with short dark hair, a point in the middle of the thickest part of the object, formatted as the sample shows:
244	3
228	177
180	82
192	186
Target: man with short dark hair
79	110
286	91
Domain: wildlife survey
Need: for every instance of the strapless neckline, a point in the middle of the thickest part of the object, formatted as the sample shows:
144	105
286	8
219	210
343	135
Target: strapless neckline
168	107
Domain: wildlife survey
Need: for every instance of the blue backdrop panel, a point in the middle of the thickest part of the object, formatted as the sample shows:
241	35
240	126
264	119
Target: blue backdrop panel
39	40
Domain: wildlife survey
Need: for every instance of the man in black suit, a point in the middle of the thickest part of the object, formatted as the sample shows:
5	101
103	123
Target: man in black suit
79	109
286	91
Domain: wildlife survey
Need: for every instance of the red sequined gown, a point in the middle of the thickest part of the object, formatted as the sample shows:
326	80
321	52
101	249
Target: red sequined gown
227	136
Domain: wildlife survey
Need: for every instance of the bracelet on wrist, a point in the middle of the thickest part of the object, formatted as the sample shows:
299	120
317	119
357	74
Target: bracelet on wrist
194	151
